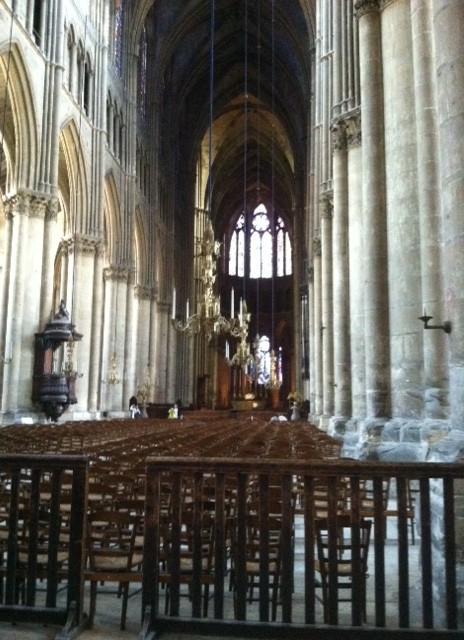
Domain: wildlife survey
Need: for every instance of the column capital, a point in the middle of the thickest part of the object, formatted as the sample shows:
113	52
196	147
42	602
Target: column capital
27	203
362	7
326	207
83	244
142	292
353	130
116	274
346	130
53	206
338	131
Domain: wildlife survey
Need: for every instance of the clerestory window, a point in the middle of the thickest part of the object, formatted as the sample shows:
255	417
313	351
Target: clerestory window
260	249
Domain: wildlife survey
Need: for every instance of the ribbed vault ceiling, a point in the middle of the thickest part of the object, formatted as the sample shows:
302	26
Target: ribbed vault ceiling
261	49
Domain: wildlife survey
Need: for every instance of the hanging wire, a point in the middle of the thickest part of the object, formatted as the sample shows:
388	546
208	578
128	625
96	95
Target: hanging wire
258	158
211	96
274	254
245	142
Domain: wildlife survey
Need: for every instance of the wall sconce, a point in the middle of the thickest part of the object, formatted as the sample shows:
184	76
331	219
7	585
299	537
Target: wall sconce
446	326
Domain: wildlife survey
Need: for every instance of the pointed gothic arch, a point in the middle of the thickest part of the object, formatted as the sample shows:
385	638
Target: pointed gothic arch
72	175
20	128
112	218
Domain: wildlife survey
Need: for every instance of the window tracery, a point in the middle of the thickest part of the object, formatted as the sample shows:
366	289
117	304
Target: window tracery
265	251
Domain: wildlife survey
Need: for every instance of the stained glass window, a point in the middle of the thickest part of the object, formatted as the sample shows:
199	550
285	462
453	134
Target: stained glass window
268	249
118	26
142	96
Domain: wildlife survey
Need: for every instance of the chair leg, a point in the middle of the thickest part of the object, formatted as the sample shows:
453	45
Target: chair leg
93	602
125	598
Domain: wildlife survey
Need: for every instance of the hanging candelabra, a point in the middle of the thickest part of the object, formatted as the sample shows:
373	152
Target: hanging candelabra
144	391
68	368
113	377
208	318
274	381
239	329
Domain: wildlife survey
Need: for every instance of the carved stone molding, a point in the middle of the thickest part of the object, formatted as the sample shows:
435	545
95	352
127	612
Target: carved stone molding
143	292
353	130
85	245
53	206
362	7
26	203
116	274
338	131
317	246
346	130
310	274
326	207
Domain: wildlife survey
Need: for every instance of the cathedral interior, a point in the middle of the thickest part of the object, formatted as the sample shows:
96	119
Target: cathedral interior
219	204
237	206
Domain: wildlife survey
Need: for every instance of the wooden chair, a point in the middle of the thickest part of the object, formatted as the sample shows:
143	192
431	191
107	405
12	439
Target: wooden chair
342	564
249	562
187	557
112	555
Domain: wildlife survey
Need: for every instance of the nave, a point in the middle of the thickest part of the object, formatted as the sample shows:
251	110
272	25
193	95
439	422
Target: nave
257	454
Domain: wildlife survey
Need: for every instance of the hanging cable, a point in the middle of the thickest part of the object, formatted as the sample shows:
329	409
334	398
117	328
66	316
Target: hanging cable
273	226
211	96
245	150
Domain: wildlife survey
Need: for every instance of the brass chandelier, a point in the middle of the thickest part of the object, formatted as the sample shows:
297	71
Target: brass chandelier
207	319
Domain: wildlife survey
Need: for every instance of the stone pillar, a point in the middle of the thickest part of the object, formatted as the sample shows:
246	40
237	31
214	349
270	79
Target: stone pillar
49	255
116	279
163	338
153	346
327	306
141	332
82	251
341	283
449	43
96	336
317	329
26	212
356	270
435	343
374	219
404	264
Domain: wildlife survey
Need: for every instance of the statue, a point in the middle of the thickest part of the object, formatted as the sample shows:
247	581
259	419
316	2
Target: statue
62	311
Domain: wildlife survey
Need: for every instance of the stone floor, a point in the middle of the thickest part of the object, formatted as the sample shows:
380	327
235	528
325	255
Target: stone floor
106	626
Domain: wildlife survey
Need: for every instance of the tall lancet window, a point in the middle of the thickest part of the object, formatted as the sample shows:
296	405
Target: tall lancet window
267	247
142	93
118	29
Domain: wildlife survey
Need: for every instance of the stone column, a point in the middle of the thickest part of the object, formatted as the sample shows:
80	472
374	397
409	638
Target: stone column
341	283
26	212
96	337
356	270
116	279
449	43
374	218
153	346
404	266
164	331
48	263
82	250
327	306
436	402
141	331
317	328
